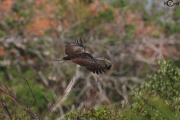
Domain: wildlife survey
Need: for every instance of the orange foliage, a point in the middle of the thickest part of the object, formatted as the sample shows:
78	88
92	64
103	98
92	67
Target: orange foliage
71	1
2	52
48	9
95	7
65	23
148	52
144	31
40	2
108	28
40	25
42	20
5	7
141	29
164	48
117	16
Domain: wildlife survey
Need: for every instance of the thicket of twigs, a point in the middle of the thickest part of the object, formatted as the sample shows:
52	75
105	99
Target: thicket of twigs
32	33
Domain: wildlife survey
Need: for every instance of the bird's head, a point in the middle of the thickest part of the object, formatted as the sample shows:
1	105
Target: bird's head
104	63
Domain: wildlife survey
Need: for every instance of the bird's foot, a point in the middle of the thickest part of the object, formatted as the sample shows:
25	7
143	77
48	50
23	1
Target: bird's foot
57	59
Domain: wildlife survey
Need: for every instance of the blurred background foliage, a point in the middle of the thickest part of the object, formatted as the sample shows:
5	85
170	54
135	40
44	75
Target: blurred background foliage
134	35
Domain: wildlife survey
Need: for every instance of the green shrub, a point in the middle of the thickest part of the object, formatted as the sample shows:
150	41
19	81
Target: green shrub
172	28
176	13
166	84
130	32
19	88
103	113
119	3
106	15
158	99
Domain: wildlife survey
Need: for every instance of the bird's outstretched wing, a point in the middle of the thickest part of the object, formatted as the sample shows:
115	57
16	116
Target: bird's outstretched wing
87	60
76	48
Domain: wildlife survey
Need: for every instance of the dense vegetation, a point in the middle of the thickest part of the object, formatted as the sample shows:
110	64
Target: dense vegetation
142	43
156	99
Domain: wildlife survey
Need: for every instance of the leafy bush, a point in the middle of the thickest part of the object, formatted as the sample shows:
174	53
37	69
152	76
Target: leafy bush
172	28
106	15
130	32
103	113
166	84
19	90
176	14
119	3
156	99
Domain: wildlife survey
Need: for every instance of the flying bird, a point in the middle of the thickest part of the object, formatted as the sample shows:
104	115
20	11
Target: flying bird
76	53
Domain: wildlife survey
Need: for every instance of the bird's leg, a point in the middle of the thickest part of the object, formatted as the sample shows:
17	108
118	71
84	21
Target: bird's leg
57	59
60	59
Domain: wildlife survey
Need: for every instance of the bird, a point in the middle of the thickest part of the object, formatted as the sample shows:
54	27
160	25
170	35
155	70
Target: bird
76	53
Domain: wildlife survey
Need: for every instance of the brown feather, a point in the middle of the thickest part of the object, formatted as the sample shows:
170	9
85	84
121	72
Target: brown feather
87	60
76	53
74	48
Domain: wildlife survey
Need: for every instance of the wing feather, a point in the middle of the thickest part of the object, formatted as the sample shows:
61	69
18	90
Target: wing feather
87	60
100	71
74	48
